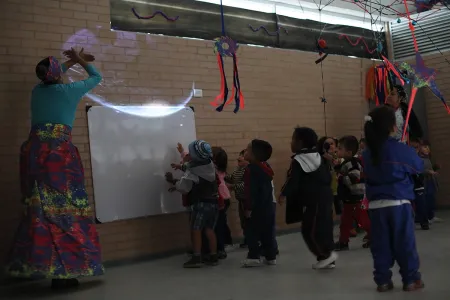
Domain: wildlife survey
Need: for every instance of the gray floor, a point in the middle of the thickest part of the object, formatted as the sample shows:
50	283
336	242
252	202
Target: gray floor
291	279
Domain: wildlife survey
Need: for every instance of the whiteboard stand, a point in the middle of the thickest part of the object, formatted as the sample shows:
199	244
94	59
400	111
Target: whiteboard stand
130	155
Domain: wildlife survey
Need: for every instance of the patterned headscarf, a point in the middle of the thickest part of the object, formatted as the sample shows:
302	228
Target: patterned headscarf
53	71
200	150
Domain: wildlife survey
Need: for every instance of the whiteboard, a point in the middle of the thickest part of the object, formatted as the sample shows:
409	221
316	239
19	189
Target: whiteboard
130	155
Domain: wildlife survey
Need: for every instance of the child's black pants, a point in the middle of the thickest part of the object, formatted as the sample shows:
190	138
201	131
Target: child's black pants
260	229
317	228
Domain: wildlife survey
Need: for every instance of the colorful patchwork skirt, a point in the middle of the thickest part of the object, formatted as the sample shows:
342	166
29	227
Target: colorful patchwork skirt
57	237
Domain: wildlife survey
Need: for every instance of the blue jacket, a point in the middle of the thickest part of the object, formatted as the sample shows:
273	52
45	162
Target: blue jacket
393	178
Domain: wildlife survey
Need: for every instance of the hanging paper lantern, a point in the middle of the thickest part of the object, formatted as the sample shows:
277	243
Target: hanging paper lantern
225	46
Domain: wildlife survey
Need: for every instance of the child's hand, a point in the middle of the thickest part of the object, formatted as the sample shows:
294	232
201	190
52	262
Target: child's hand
248	214
176	166
180	148
281	200
169	177
172	189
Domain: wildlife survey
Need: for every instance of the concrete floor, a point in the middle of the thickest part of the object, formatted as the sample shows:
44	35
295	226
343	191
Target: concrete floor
291	279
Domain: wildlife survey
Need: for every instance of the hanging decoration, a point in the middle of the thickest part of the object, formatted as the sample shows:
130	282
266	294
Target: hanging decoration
423	76
158	12
321	48
378	84
275	33
225	46
379	47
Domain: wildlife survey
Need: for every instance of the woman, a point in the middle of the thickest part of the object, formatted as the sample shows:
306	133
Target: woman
57	238
397	100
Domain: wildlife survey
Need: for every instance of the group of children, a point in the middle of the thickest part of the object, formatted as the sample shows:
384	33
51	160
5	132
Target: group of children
376	187
206	187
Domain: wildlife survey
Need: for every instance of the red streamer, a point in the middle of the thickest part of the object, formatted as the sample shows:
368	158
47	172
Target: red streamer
408	114
360	39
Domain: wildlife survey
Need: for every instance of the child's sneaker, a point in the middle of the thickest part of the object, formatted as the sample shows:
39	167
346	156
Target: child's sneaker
366	238
385	287
194	262
339	246
272	262
251	263
416	285
325	263
425	226
222	254
212	260
436	220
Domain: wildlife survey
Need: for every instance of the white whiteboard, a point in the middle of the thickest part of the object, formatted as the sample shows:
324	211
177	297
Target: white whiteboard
130	155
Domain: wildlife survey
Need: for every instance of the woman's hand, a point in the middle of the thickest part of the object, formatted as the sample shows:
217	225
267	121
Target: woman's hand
86	56
73	55
328	156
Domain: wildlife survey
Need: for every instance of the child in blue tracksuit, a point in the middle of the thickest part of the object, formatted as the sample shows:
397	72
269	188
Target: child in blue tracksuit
389	170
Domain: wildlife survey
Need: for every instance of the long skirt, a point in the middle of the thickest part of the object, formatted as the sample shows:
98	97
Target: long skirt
56	238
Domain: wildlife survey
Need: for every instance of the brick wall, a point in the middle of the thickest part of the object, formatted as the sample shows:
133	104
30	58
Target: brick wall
439	122
282	89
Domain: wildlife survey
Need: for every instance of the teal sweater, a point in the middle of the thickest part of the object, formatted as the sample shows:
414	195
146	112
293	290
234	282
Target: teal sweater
57	103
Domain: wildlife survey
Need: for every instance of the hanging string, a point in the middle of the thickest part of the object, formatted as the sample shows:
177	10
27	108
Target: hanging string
222	18
324	100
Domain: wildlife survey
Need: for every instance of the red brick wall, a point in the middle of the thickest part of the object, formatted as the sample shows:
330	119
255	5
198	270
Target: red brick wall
439	123
282	89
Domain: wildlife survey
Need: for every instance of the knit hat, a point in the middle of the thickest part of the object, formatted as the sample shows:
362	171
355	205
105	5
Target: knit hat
200	150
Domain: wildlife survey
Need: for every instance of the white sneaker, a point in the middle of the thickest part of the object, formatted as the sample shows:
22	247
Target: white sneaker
326	263
251	263
272	262
436	220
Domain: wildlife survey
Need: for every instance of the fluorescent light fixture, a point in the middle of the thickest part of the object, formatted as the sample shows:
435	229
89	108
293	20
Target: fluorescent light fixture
261	6
306	11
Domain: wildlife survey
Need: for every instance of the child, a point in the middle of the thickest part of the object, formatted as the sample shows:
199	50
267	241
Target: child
200	184
258	204
309	197
235	182
420	205
223	233
431	183
388	169
351	191
327	148
362	146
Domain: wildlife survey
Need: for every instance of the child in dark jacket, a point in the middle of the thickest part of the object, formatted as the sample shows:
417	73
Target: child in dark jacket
258	204
199	182
309	197
351	190
388	169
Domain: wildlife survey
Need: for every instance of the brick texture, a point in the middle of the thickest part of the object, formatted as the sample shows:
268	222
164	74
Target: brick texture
439	123
282	89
